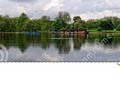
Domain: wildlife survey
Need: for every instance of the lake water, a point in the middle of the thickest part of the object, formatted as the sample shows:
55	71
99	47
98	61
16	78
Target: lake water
61	48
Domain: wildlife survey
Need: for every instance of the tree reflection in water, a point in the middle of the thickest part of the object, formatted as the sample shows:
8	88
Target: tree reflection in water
63	43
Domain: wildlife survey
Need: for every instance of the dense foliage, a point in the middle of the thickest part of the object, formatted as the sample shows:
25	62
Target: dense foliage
62	22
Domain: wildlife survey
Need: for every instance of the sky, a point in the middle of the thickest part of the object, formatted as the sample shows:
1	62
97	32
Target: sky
86	9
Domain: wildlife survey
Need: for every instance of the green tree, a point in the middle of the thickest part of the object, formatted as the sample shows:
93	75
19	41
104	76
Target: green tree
69	26
114	21
61	20
106	25
28	26
37	24
78	23
45	18
46	24
12	26
118	27
92	24
58	25
76	19
64	16
3	25
99	29
21	21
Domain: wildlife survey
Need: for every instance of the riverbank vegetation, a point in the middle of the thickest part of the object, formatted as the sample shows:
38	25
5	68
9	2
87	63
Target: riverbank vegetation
62	21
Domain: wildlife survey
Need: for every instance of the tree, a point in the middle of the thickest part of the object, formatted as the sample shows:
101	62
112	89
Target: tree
28	26
58	25
114	20
64	16
21	21
77	18
78	23
45	18
99	29
92	24
12	26
46	23
7	21
69	26
61	20
118	27
106	25
3	25
37	24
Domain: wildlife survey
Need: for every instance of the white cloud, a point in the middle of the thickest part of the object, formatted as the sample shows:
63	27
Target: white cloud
53	3
85	8
21	9
23	0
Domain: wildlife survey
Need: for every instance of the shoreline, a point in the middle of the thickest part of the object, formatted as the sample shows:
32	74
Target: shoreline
56	32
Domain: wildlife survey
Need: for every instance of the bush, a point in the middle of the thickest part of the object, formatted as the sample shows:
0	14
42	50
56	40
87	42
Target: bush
99	29
118	28
62	29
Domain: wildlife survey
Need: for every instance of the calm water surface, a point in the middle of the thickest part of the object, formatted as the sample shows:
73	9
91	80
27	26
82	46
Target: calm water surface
58	47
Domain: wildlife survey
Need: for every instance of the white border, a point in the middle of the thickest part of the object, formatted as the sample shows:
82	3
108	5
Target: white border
59	76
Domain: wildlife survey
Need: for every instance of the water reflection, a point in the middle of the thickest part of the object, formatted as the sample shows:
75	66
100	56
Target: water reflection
59	47
21	42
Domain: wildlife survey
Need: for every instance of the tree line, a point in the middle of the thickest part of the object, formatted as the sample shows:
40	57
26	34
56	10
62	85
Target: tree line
62	21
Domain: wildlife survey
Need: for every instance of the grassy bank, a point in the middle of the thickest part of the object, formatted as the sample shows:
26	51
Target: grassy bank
49	31
103	31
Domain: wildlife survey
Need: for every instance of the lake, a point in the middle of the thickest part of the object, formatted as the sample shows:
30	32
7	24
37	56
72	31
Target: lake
61	48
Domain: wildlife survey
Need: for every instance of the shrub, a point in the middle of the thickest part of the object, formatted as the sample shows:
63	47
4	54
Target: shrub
118	28
99	29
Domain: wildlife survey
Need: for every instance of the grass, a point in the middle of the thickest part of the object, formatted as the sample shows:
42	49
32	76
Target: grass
93	30
107	31
118	64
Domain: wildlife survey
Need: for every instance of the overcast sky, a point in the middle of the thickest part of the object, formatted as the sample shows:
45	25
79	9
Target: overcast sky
87	9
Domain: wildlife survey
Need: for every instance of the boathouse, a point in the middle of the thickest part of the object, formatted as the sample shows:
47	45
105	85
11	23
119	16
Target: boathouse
74	31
